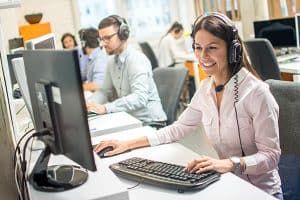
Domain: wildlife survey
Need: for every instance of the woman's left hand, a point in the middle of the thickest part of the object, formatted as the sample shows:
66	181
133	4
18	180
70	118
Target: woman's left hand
205	163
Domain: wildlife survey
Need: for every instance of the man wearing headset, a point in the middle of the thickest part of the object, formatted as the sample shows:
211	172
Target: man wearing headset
128	84
94	71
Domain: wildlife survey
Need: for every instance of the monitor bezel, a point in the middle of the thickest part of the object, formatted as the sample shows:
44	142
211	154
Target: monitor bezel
34	41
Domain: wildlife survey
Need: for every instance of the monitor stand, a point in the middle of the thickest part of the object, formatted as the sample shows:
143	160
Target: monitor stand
57	177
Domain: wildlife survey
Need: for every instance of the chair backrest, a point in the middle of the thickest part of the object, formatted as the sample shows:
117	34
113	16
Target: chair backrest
263	58
287	95
170	82
147	50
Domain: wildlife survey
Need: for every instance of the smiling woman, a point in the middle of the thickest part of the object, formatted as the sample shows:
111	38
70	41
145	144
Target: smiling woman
243	106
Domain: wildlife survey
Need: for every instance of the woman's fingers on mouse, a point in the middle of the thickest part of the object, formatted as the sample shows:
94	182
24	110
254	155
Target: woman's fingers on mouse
113	152
104	144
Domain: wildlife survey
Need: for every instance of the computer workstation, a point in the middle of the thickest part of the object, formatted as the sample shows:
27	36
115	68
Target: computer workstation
284	37
50	93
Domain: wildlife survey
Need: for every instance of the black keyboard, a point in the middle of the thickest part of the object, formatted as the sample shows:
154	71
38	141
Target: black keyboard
163	174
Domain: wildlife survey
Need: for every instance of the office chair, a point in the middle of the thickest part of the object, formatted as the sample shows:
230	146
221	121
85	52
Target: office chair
263	58
147	50
287	95
169	83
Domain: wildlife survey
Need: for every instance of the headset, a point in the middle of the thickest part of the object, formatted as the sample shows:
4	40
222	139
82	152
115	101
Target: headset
234	47
82	38
123	31
89	38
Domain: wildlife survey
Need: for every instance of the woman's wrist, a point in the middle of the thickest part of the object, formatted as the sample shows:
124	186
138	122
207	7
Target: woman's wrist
243	165
140	142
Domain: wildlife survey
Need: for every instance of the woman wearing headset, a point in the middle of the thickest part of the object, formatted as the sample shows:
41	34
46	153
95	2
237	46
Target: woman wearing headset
237	109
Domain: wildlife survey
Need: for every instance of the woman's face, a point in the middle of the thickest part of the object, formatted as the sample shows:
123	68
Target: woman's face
211	53
178	35
69	42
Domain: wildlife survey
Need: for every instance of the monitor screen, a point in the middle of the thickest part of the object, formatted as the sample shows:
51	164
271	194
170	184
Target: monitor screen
10	67
43	42
58	105
280	32
19	71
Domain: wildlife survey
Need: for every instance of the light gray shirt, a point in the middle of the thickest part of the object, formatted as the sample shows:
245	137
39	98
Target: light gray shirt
96	67
128	80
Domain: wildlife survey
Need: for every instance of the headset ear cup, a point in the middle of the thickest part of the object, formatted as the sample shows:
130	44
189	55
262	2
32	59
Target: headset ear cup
124	31
83	43
234	52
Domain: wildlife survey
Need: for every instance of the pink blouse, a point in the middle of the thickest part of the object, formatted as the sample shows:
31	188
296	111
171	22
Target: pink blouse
258	121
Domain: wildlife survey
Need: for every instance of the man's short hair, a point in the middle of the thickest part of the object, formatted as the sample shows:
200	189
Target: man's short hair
89	37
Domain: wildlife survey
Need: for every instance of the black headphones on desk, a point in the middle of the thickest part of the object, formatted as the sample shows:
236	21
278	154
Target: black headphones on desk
234	47
123	31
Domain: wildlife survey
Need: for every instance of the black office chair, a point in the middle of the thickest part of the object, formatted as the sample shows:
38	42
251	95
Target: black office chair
147	50
170	82
287	95
263	58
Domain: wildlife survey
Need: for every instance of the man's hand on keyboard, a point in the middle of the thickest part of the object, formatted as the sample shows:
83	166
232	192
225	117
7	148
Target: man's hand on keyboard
118	147
206	163
97	108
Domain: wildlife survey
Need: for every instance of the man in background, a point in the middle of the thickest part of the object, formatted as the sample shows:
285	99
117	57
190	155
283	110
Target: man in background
128	83
94	71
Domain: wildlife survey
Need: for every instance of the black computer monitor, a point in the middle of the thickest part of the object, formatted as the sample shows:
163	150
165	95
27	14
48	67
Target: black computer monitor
280	32
58	105
10	67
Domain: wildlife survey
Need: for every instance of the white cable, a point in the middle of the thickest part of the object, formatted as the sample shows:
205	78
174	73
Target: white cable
17	183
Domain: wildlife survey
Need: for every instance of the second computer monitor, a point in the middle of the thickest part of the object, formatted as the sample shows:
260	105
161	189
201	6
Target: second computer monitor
43	42
280	32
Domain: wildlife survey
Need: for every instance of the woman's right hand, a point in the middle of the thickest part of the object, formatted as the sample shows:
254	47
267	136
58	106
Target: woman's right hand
118	147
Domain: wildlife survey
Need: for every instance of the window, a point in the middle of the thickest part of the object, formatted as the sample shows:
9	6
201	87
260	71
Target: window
145	17
92	11
149	17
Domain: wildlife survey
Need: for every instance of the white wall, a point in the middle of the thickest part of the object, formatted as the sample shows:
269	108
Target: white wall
58	12
64	16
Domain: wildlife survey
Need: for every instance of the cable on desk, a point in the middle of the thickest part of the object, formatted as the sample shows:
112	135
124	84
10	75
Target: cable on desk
20	194
21	185
28	124
134	186
17	149
20	109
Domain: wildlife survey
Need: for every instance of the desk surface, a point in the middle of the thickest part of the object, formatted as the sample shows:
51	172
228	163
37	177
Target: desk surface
178	154
104	181
102	184
99	125
290	67
112	122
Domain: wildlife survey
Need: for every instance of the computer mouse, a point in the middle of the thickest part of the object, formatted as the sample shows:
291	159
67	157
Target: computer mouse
17	93
103	151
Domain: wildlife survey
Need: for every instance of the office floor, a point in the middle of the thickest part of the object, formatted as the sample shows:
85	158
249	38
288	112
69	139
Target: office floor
199	143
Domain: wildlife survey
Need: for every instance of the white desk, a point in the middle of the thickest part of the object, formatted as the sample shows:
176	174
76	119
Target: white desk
101	185
112	122
228	187
99	125
292	67
104	181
